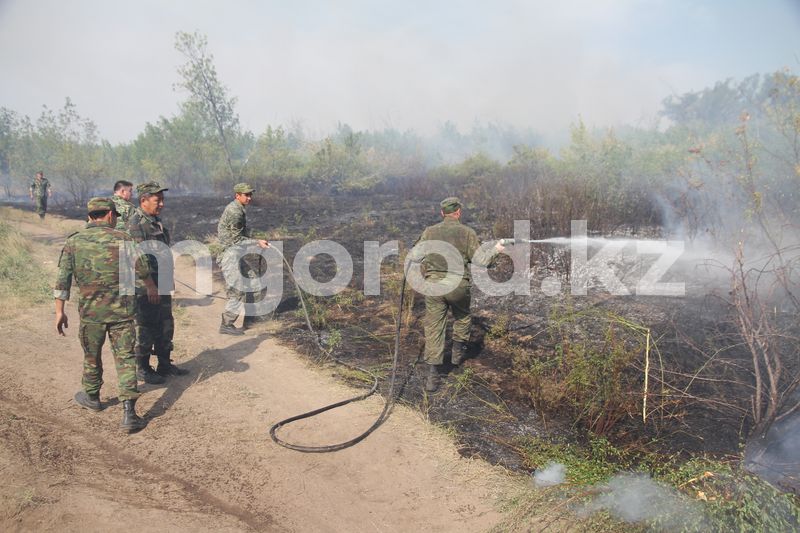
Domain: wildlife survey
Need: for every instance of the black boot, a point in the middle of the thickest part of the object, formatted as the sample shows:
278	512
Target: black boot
145	373
166	368
433	379
459	351
130	420
88	401
230	329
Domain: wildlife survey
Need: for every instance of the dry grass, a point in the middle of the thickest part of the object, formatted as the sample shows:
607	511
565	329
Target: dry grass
24	280
52	223
28	266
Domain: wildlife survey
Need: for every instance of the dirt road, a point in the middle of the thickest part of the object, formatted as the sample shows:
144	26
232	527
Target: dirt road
205	461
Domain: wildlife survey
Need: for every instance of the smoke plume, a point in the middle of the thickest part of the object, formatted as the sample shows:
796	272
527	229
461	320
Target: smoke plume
636	498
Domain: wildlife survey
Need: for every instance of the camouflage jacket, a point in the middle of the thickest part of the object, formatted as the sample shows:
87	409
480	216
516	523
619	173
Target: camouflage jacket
232	228
125	209
91	258
143	227
463	238
39	188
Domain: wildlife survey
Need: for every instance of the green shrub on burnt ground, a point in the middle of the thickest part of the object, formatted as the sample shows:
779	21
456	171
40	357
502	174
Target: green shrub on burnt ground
588	374
733	500
726	497
586	464
317	308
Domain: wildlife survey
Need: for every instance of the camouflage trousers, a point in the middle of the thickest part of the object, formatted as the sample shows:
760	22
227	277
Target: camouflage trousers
235	304
154	327
41	206
435	321
122	337
237	298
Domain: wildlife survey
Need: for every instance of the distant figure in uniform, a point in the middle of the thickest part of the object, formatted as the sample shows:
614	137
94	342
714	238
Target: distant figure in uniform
91	259
232	230
155	325
123	190
465	241
40	192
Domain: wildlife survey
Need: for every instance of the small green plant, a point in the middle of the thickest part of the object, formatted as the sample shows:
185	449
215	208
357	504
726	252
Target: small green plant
311	234
499	329
585	465
279	233
334	339
214	248
393	229
347	298
317	312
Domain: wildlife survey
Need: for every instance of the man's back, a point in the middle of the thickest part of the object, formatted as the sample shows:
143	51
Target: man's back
91	258
453	232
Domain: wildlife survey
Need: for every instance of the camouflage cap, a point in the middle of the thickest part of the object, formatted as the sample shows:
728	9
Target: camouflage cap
243	188
450	205
151	187
101	204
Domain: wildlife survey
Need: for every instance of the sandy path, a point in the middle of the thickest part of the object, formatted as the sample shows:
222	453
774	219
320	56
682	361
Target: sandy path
205	461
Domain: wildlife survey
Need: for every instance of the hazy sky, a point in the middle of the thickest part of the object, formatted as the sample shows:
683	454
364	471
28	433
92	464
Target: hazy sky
405	64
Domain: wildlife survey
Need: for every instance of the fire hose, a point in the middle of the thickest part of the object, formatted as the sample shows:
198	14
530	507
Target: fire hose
388	403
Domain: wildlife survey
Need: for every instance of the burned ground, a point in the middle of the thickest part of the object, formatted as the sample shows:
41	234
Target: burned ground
698	390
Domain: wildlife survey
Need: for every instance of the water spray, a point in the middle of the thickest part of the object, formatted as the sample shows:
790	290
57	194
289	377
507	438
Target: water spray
563	241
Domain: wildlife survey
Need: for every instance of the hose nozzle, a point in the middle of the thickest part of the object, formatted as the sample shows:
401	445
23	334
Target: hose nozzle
506	242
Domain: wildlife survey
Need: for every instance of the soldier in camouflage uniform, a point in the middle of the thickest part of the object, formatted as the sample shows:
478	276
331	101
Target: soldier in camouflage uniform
155	325
232	230
40	192
123	190
91	259
465	240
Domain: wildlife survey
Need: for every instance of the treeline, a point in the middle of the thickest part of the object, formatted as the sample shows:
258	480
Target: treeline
185	152
727	150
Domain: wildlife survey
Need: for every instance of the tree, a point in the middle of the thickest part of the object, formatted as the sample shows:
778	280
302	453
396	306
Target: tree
66	145
175	151
8	132
208	97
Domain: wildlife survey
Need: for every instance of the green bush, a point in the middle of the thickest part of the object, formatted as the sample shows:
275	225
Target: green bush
593	380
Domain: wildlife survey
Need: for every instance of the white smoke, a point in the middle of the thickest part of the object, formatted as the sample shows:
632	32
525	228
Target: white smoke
636	498
551	474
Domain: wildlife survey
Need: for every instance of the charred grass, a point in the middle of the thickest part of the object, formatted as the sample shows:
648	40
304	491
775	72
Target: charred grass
603	384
